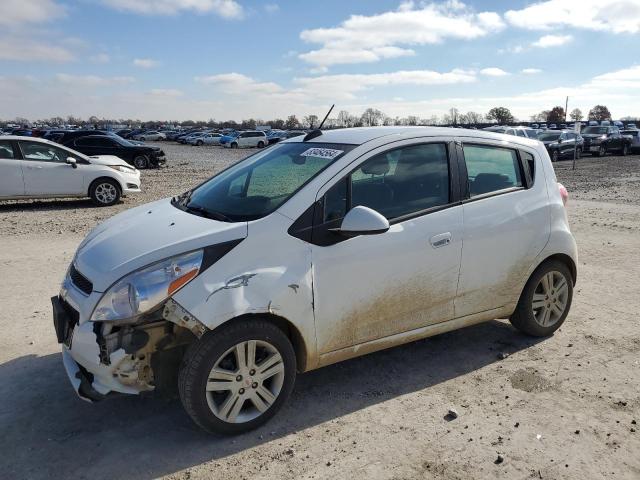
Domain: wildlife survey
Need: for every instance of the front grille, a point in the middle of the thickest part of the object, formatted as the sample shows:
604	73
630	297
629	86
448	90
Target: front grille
80	281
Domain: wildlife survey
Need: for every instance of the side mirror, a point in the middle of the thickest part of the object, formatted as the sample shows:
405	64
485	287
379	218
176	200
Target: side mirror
71	161
362	221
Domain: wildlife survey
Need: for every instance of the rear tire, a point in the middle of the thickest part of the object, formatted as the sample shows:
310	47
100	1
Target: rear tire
260	393
625	150
234	145
199	143
555	156
578	152
545	301
105	192
260	144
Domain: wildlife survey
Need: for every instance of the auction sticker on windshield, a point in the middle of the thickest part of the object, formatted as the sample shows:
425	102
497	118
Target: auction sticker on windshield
322	153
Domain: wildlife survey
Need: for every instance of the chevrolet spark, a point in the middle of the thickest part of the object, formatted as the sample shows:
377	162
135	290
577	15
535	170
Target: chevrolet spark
316	250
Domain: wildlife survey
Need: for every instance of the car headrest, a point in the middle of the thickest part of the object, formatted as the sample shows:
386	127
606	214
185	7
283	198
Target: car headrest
377	166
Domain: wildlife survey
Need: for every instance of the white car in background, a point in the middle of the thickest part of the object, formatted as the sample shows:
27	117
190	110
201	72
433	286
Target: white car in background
318	249
205	139
249	139
38	168
150	136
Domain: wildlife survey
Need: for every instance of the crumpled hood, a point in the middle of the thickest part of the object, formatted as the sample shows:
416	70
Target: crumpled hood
107	160
146	234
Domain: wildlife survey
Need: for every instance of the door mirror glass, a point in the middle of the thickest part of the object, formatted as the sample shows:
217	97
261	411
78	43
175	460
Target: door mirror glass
71	161
363	221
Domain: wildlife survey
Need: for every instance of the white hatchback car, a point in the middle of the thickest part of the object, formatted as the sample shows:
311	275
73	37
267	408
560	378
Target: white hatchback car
318	249
249	139
38	168
205	139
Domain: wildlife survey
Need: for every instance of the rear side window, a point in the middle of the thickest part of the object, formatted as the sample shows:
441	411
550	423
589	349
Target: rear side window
6	150
491	169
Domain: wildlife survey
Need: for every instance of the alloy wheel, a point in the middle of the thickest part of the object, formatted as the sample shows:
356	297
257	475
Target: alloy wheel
245	381
550	299
106	193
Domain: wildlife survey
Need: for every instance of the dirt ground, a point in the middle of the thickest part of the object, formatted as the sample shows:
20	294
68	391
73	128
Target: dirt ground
561	407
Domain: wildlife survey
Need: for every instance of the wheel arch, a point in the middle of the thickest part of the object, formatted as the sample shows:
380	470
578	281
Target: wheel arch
566	260
103	177
286	326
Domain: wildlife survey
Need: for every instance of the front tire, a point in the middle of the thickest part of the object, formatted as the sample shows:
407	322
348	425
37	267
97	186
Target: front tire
578	152
234	145
602	151
105	192
141	162
199	143
545	301
625	150
260	144
235	379
555	156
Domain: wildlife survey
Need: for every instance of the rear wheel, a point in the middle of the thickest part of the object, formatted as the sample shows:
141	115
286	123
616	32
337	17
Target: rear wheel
555	156
235	379
578	152
261	144
199	143
141	162
625	150
545	300
234	145
105	192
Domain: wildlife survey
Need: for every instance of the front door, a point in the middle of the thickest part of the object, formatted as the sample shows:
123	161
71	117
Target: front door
11	181
47	173
373	286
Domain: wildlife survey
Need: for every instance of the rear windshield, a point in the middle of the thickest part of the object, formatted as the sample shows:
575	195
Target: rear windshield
258	185
546	137
595	130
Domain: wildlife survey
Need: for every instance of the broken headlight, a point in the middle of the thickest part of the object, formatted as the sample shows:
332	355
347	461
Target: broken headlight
143	290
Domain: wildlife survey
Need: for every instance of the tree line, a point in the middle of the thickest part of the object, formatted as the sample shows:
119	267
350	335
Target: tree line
370	117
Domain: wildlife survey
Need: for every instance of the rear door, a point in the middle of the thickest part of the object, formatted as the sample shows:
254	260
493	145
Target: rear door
11	180
47	173
374	286
506	224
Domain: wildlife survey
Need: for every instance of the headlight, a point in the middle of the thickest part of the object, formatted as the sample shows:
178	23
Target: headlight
122	168
143	290
603	137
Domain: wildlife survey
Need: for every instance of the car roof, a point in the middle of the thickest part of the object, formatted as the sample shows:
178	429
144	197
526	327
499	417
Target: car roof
30	139
361	135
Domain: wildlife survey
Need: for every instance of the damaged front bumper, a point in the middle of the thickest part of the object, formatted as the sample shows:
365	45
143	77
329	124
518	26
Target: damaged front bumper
101	359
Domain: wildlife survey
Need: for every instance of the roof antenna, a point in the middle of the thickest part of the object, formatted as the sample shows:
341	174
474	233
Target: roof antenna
318	131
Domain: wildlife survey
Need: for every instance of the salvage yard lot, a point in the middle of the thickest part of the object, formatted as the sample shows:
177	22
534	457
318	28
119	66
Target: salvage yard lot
562	407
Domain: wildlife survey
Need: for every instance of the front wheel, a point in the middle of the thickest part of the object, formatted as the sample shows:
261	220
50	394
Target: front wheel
105	192
602	151
141	162
578	152
199	143
234	145
235	379
555	156
625	150
545	300
260	144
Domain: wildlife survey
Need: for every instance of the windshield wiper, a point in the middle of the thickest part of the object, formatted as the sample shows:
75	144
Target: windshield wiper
204	212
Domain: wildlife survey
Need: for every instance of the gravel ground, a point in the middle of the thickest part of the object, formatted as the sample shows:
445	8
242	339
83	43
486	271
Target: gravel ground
561	407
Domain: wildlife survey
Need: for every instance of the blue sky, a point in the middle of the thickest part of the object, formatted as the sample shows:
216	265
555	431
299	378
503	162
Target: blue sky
234	59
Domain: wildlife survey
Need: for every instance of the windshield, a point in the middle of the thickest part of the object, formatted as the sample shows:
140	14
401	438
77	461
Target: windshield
547	137
258	185
121	140
595	130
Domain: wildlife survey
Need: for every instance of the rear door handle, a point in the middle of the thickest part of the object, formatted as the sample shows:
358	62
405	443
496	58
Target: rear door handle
440	240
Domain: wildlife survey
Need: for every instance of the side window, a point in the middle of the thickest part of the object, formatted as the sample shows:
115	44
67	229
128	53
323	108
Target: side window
335	201
530	163
6	150
491	169
403	181
520	133
42	152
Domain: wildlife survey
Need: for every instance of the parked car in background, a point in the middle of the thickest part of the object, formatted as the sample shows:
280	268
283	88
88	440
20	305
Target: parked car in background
39	168
535	126
140	156
562	144
228	137
543	126
123	132
618	124
238	321
249	139
631	126
553	126
150	136
515	131
601	140
634	134
206	139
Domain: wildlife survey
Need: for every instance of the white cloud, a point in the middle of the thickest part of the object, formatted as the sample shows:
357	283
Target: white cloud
271	7
617	16
16	13
146	63
229	9
494	72
25	49
530	71
166	92
238	83
91	80
371	38
625	78
100	58
547	41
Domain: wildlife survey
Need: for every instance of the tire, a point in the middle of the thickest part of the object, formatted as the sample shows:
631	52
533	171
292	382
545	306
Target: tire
625	150
141	162
555	156
199	143
218	349
234	145
260	144
534	321
105	192
578	152
602	151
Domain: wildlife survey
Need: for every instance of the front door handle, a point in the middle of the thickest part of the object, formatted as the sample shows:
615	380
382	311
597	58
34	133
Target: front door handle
440	240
